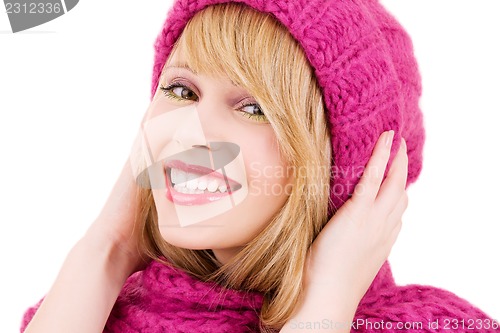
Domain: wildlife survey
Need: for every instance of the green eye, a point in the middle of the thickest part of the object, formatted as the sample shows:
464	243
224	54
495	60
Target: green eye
254	112
179	92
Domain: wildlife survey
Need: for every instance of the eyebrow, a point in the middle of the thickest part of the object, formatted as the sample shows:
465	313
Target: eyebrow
183	66
186	66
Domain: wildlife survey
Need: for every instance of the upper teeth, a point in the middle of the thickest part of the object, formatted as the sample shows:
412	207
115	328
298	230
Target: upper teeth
186	182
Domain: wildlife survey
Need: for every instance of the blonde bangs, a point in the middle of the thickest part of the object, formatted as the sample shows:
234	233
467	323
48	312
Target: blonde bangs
242	34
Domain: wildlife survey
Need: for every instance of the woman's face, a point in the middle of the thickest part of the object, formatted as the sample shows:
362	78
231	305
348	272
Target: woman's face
216	173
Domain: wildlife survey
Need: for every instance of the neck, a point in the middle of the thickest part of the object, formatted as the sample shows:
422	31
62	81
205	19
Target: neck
225	255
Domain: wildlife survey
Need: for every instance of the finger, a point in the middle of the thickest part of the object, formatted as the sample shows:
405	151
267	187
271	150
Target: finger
121	202
395	182
367	188
395	220
397	214
394	235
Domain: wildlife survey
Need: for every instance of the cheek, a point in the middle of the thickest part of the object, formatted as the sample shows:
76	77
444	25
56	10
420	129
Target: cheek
268	174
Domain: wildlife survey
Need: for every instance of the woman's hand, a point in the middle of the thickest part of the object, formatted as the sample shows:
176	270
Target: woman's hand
349	251
358	239
96	268
116	224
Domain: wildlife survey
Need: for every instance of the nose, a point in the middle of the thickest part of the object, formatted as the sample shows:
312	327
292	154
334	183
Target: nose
189	131
199	127
201	147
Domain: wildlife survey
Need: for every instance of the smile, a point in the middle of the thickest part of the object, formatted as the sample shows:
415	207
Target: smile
189	184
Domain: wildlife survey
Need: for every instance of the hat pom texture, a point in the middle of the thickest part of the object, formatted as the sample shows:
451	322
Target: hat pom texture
364	63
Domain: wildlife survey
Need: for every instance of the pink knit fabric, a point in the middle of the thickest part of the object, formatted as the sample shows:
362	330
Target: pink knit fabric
165	299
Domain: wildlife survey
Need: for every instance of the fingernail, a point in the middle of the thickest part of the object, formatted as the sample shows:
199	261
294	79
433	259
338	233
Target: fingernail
389	137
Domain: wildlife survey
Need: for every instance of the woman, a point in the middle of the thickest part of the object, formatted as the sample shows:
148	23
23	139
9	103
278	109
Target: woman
289	95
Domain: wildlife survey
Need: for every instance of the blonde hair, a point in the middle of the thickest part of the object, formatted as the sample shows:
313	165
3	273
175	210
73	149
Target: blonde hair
258	53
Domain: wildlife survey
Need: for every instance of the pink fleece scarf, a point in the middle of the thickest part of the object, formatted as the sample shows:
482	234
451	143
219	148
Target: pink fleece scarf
166	299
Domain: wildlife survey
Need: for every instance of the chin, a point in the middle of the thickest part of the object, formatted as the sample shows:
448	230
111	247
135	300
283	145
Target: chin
201	236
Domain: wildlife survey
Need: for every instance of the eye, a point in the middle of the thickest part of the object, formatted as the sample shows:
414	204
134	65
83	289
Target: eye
180	92
253	111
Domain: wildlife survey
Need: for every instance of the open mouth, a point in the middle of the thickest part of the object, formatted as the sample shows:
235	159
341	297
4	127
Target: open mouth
189	184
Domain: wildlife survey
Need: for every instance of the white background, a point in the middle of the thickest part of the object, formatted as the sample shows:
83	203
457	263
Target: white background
73	91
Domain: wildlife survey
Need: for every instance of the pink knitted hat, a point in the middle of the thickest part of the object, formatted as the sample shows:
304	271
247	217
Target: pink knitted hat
363	60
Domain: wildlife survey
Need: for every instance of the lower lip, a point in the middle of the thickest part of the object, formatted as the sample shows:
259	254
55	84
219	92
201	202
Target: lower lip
185	199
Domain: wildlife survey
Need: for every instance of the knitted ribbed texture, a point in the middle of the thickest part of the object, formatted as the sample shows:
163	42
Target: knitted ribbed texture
166	299
364	62
173	301
421	309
